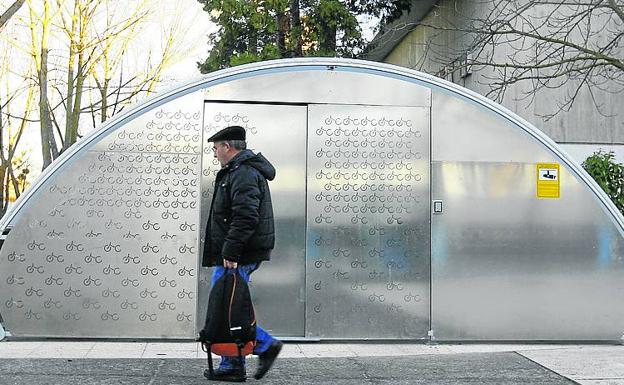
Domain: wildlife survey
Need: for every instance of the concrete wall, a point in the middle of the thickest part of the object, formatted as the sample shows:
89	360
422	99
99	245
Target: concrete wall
429	49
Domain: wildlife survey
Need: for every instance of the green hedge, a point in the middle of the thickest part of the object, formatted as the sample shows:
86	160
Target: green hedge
608	174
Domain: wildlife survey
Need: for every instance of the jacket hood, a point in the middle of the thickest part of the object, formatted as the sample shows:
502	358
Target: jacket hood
257	161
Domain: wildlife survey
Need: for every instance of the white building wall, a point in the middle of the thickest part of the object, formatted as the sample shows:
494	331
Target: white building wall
583	129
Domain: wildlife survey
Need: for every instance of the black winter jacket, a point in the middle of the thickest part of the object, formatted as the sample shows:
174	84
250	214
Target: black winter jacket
240	225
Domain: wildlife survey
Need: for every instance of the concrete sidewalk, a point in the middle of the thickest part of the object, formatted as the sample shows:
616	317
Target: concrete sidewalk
69	362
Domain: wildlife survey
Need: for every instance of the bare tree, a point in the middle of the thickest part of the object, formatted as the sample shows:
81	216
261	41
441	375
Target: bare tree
82	73
541	45
12	184
89	45
114	96
9	141
14	166
39	51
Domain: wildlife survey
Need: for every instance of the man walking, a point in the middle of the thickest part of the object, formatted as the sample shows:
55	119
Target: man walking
240	232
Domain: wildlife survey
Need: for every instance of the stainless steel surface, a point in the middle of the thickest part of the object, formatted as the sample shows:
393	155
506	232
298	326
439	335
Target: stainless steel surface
279	133
107	249
509	266
492	245
298	67
332	86
463	133
368	222
505	264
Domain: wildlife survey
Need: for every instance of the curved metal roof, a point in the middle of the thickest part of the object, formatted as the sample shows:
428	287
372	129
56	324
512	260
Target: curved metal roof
307	64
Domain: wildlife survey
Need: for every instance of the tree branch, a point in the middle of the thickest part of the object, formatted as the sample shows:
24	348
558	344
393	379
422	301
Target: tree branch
4	18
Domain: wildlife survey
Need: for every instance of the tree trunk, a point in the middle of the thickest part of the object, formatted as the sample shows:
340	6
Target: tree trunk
13	180
13	147
72	132
10	12
282	30
44	111
47	136
70	72
104	87
252	47
295	29
103	93
5	194
616	8
4	203
76	89
328	40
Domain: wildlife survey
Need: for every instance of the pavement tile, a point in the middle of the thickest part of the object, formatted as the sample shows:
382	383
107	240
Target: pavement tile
67	344
373	349
326	350
73	380
197	379
11	344
583	362
171	354
183	362
113	355
419	349
106	351
478	369
116	350
171	346
16	354
501	368
497	348
119	345
60	353
20	345
69	367
291	350
62	349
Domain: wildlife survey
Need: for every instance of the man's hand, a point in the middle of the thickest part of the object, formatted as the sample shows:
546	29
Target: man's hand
229	264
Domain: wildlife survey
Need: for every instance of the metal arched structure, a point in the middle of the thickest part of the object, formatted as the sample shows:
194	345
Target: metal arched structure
109	235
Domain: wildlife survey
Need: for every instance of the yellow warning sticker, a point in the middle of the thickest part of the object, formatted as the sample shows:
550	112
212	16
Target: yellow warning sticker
548	185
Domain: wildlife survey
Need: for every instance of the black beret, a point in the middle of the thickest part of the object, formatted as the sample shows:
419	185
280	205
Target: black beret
229	133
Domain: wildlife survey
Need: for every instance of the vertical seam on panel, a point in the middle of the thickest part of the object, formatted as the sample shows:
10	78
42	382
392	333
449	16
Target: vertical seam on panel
305	219
200	258
430	215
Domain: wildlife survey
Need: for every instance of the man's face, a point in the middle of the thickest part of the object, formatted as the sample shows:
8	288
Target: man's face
220	150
